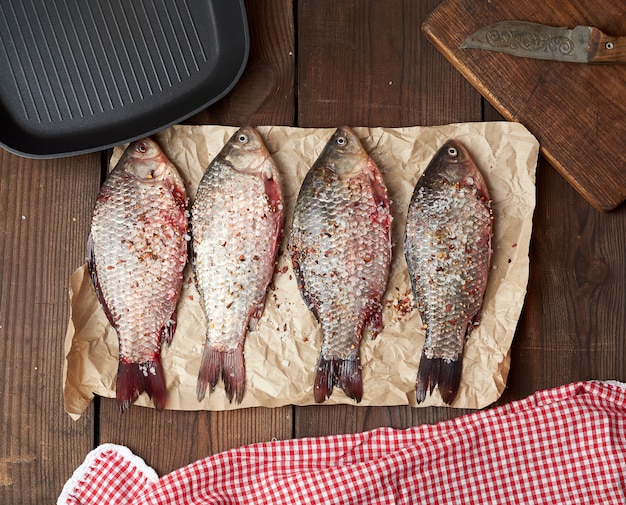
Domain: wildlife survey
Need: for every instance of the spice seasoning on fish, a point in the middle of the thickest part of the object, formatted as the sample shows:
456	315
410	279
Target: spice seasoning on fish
236	222
447	246
340	246
137	251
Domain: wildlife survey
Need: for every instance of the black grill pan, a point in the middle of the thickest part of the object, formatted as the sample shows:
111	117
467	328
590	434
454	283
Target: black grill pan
79	76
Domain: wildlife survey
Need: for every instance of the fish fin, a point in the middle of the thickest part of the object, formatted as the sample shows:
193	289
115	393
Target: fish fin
234	374
93	275
230	365
91	261
167	333
444	373
309	300
474	323
350	378
374	321
155	383
191	255
274	193
210	369
379	189
342	372
256	314
324	380
177	191
135	378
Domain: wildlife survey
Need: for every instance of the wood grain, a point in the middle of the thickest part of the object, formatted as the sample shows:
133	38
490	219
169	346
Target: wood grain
43	225
572	325
371	66
386	79
576	111
359	63
264	95
173	439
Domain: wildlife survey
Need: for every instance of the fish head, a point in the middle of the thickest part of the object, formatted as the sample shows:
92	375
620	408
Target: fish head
144	161
245	150
453	165
343	153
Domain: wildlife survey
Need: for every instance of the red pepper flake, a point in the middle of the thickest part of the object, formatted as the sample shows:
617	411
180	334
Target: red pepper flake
191	297
514	245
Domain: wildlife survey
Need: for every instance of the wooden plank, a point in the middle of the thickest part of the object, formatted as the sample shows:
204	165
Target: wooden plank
365	63
264	95
572	325
576	111
371	66
171	439
44	208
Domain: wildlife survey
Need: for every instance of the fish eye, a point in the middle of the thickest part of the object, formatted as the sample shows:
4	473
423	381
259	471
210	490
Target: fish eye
142	148
453	152
341	141
243	138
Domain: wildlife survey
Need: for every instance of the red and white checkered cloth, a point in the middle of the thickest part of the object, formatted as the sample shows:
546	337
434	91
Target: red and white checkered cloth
564	445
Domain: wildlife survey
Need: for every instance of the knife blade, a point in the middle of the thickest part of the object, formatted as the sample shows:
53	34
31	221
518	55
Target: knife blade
582	44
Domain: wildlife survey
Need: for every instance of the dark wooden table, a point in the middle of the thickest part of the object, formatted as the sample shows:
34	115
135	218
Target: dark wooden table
313	63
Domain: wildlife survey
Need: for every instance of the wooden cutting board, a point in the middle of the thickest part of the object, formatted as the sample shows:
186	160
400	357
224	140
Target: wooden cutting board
576	111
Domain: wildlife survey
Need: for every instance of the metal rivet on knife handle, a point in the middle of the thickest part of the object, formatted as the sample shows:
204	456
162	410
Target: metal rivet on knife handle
605	48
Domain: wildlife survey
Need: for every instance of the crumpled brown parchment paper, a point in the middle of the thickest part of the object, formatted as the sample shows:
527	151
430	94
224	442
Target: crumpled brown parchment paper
281	354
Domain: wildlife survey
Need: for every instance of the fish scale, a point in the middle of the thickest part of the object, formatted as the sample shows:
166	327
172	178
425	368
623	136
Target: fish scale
137	251
232	252
341	250
447	247
236	221
341	275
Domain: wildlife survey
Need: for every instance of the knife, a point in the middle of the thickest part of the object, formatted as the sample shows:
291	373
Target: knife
582	44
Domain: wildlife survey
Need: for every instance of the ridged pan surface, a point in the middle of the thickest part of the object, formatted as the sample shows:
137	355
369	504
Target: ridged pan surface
79	76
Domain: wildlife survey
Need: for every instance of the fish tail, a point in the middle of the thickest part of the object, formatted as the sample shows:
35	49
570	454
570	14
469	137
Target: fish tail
234	374
444	373
229	365
350	378
210	370
346	373
135	378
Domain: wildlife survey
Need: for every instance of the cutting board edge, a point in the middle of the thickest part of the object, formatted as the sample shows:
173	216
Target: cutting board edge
606	204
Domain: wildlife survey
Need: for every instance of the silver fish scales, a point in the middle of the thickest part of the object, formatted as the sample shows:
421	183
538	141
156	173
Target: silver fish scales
341	250
137	252
447	246
236	222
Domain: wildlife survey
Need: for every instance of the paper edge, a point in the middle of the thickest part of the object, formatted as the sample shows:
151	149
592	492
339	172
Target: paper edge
339	398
